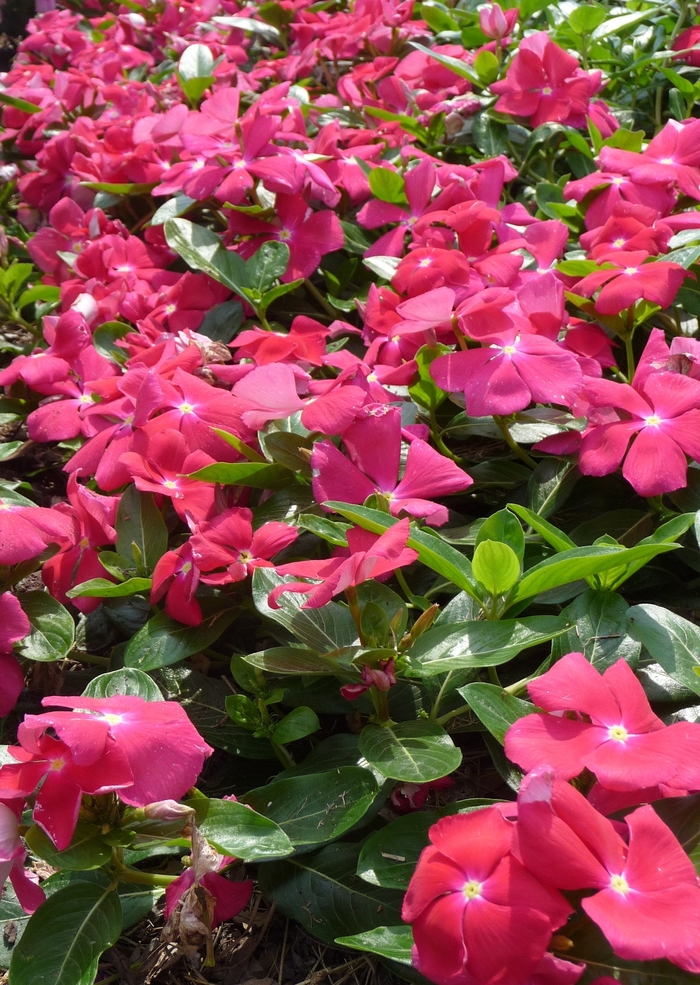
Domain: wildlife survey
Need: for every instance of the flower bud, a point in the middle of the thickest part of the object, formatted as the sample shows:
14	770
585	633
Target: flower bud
495	22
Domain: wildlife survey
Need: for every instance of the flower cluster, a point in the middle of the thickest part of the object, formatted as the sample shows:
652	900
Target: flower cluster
496	873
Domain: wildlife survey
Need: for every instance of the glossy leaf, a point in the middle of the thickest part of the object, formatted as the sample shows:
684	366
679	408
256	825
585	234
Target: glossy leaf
494	707
323	893
299	723
101	588
672	641
164	641
141	530
479	643
87	849
395	943
66	936
496	567
234	829
267	264
127	681
316	808
203	250
411	751
52	628
254	474
599	631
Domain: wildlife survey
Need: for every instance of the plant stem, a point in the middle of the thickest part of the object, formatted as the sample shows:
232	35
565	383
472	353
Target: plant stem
493	677
629	353
316	294
354	606
512	443
440	695
145	878
405	589
282	754
381	703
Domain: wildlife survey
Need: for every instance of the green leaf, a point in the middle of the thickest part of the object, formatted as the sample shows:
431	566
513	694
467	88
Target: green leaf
425	391
120	188
330	531
490	137
613	25
222	321
581	562
105	338
254	474
389	856
251	26
196	62
323	630
496	567
267	265
172	208
278	292
600	630
686	256
437	17
577	268
672	641
235	829
323	893
395	943
586	18
141	530
164	641
388	186
411	751
299	723
455	65
66	936
52	632
127	681
318	807
479	643
203	250
503	527
547	531
486	66
22	104
433	552
494	707
296	660
87	849
101	588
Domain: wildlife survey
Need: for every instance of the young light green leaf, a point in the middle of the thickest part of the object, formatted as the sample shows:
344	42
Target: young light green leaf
496	567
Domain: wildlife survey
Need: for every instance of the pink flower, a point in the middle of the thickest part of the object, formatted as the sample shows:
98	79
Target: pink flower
630	279
26	531
229	542
624	744
508	374
479	917
370	557
176	576
12	856
545	83
374	443
648	899
661	414
14	626
162	749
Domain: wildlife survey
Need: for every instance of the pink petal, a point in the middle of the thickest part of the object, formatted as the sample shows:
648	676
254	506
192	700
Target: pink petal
476	842
438	936
655	464
374	444
430	474
504	942
436	875
561	743
57	807
333	412
629	695
11	683
573	684
604	447
336	478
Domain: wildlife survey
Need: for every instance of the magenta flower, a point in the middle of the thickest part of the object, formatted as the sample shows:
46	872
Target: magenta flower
509	374
66	779
155	739
14	626
630	280
370	557
545	84
229	542
648	899
672	156
374	444
661	414
615	734
12	856
478	915
25	531
176	577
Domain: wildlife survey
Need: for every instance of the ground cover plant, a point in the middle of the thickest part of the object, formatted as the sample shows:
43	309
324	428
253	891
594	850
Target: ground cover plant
350	510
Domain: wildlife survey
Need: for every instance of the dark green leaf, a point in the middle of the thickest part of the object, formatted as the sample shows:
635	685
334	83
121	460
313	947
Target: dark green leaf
87	850
295	660
203	250
235	829
253	474
267	265
316	807
101	588
52	628
65	937
222	321
479	643
494	707
127	681
141	531
490	137
411	751
600	630
299	723
672	641
323	892
164	641
323	630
